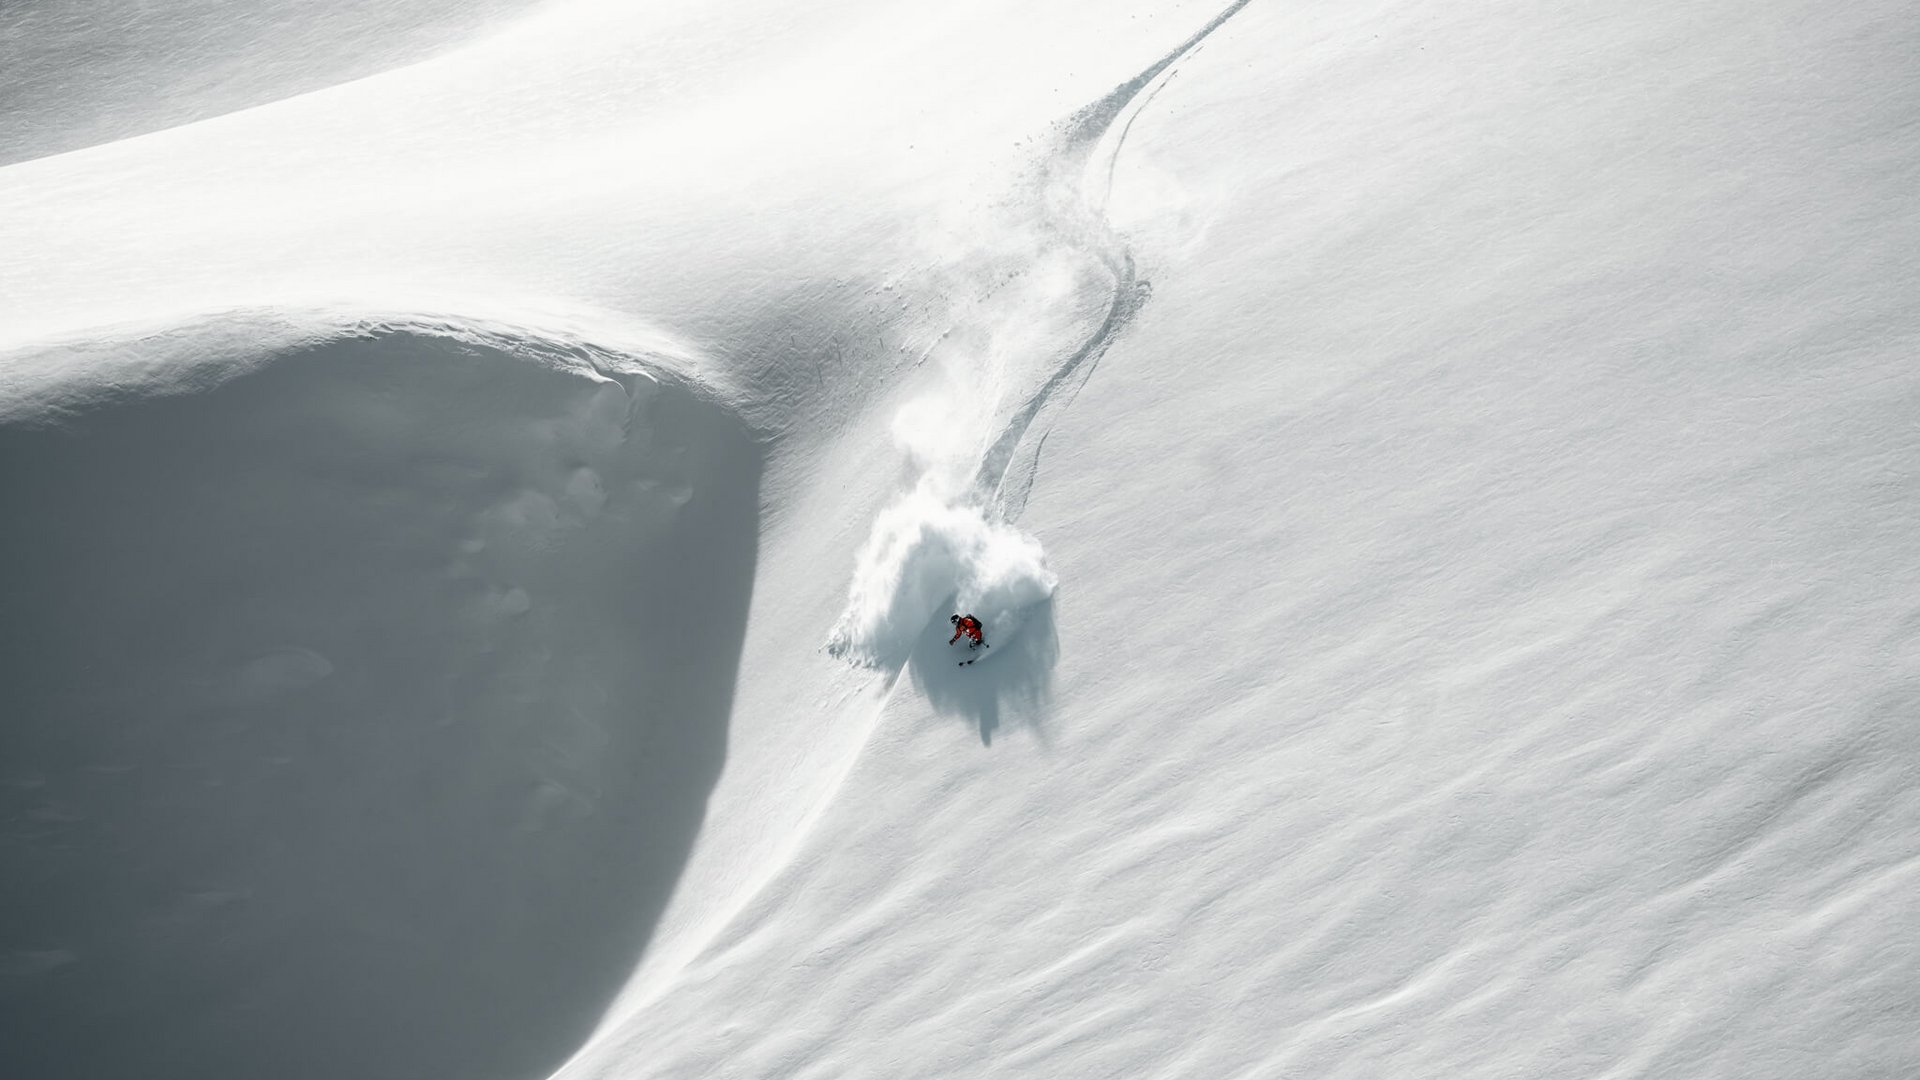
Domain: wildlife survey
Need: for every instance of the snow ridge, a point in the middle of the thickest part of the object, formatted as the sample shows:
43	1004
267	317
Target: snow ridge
188	353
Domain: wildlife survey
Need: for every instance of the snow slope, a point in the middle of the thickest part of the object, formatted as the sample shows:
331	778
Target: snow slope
1513	474
1450	466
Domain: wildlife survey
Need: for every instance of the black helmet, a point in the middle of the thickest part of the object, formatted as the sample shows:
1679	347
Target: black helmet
955	619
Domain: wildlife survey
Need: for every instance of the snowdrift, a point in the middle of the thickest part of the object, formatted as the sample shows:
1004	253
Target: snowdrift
363	698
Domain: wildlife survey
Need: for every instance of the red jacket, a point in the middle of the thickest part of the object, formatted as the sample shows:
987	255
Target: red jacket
969	626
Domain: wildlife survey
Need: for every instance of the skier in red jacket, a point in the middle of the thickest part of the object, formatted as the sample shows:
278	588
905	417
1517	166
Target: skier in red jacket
970	626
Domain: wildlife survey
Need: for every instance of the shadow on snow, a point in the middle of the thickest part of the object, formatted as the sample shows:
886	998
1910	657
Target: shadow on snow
1013	682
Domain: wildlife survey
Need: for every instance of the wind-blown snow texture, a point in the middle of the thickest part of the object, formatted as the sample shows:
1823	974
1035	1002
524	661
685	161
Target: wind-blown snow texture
1443	478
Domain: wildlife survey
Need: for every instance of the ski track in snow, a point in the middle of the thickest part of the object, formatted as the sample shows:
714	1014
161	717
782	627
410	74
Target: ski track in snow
1079	152
916	563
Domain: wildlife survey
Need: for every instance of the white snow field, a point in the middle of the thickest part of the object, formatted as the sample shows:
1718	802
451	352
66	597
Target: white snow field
1441	482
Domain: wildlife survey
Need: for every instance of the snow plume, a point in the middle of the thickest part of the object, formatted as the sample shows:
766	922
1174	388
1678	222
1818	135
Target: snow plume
936	550
1027	286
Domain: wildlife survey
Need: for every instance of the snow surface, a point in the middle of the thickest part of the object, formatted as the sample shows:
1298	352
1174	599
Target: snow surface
78	73
1443	477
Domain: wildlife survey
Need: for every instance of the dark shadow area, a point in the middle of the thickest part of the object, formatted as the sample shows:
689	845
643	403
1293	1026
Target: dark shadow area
1011	682
359	713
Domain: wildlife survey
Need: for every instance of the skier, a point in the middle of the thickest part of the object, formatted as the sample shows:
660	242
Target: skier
970	626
